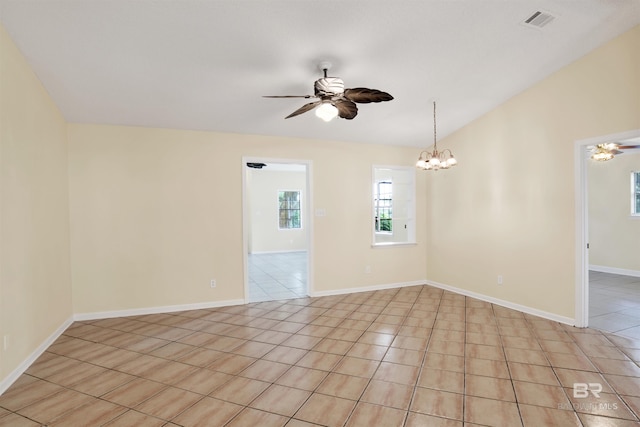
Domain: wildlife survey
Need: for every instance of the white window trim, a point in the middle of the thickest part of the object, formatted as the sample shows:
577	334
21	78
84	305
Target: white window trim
411	209
634	214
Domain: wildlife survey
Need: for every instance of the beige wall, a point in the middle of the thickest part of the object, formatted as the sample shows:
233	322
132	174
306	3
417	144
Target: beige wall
614	235
265	235
156	214
508	208
35	287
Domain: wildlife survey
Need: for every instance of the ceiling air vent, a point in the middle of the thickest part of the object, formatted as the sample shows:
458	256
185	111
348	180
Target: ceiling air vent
539	19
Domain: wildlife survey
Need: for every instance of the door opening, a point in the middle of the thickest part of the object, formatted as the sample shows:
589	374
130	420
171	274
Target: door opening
277	229
581	157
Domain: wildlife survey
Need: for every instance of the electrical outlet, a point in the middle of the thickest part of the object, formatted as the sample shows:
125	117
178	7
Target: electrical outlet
500	279
367	269
213	283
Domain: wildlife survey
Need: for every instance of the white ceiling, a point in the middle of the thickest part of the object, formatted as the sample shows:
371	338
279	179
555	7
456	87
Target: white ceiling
204	65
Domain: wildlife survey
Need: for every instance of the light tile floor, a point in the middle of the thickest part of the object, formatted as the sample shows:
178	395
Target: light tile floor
614	303
277	276
415	356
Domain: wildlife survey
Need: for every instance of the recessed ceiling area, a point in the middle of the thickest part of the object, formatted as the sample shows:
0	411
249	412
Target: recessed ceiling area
205	65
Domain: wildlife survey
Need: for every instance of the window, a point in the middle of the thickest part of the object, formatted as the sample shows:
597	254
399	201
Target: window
635	193
289	209
393	205
383	205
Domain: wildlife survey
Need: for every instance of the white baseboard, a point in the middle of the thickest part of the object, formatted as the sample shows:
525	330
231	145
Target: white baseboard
507	304
11	378
497	301
291	251
367	288
155	310
614	270
5	383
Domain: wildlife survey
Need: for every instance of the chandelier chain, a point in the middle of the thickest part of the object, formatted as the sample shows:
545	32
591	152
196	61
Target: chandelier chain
435	140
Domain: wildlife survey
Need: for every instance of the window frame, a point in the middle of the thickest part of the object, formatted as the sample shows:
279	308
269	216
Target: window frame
635	193
288	217
387	206
403	205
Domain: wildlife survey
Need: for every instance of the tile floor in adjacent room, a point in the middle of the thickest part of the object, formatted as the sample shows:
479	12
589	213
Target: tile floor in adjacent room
276	276
614	303
415	356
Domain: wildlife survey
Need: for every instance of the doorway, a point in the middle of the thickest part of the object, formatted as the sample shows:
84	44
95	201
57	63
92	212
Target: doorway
581	158
277	229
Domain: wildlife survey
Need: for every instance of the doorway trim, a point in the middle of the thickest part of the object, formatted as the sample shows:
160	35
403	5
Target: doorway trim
582	220
307	216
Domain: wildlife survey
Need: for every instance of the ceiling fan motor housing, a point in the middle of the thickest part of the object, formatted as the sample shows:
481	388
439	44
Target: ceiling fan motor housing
329	86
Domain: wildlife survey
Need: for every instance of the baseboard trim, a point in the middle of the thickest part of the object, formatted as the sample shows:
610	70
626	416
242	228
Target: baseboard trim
523	308
614	270
6	382
367	288
292	251
155	310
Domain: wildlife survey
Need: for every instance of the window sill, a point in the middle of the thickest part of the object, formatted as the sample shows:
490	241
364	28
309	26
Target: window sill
392	244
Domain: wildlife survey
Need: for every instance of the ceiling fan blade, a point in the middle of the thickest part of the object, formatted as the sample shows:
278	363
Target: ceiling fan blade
628	147
304	109
364	95
346	109
287	96
610	147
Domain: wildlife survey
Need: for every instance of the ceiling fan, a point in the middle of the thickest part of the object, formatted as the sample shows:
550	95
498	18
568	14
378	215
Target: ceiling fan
607	151
333	100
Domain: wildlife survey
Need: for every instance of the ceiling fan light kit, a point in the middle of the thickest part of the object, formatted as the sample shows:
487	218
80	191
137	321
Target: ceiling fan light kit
601	154
607	151
436	160
327	111
333	100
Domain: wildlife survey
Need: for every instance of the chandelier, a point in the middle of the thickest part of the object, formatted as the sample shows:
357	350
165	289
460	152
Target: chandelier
436	159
